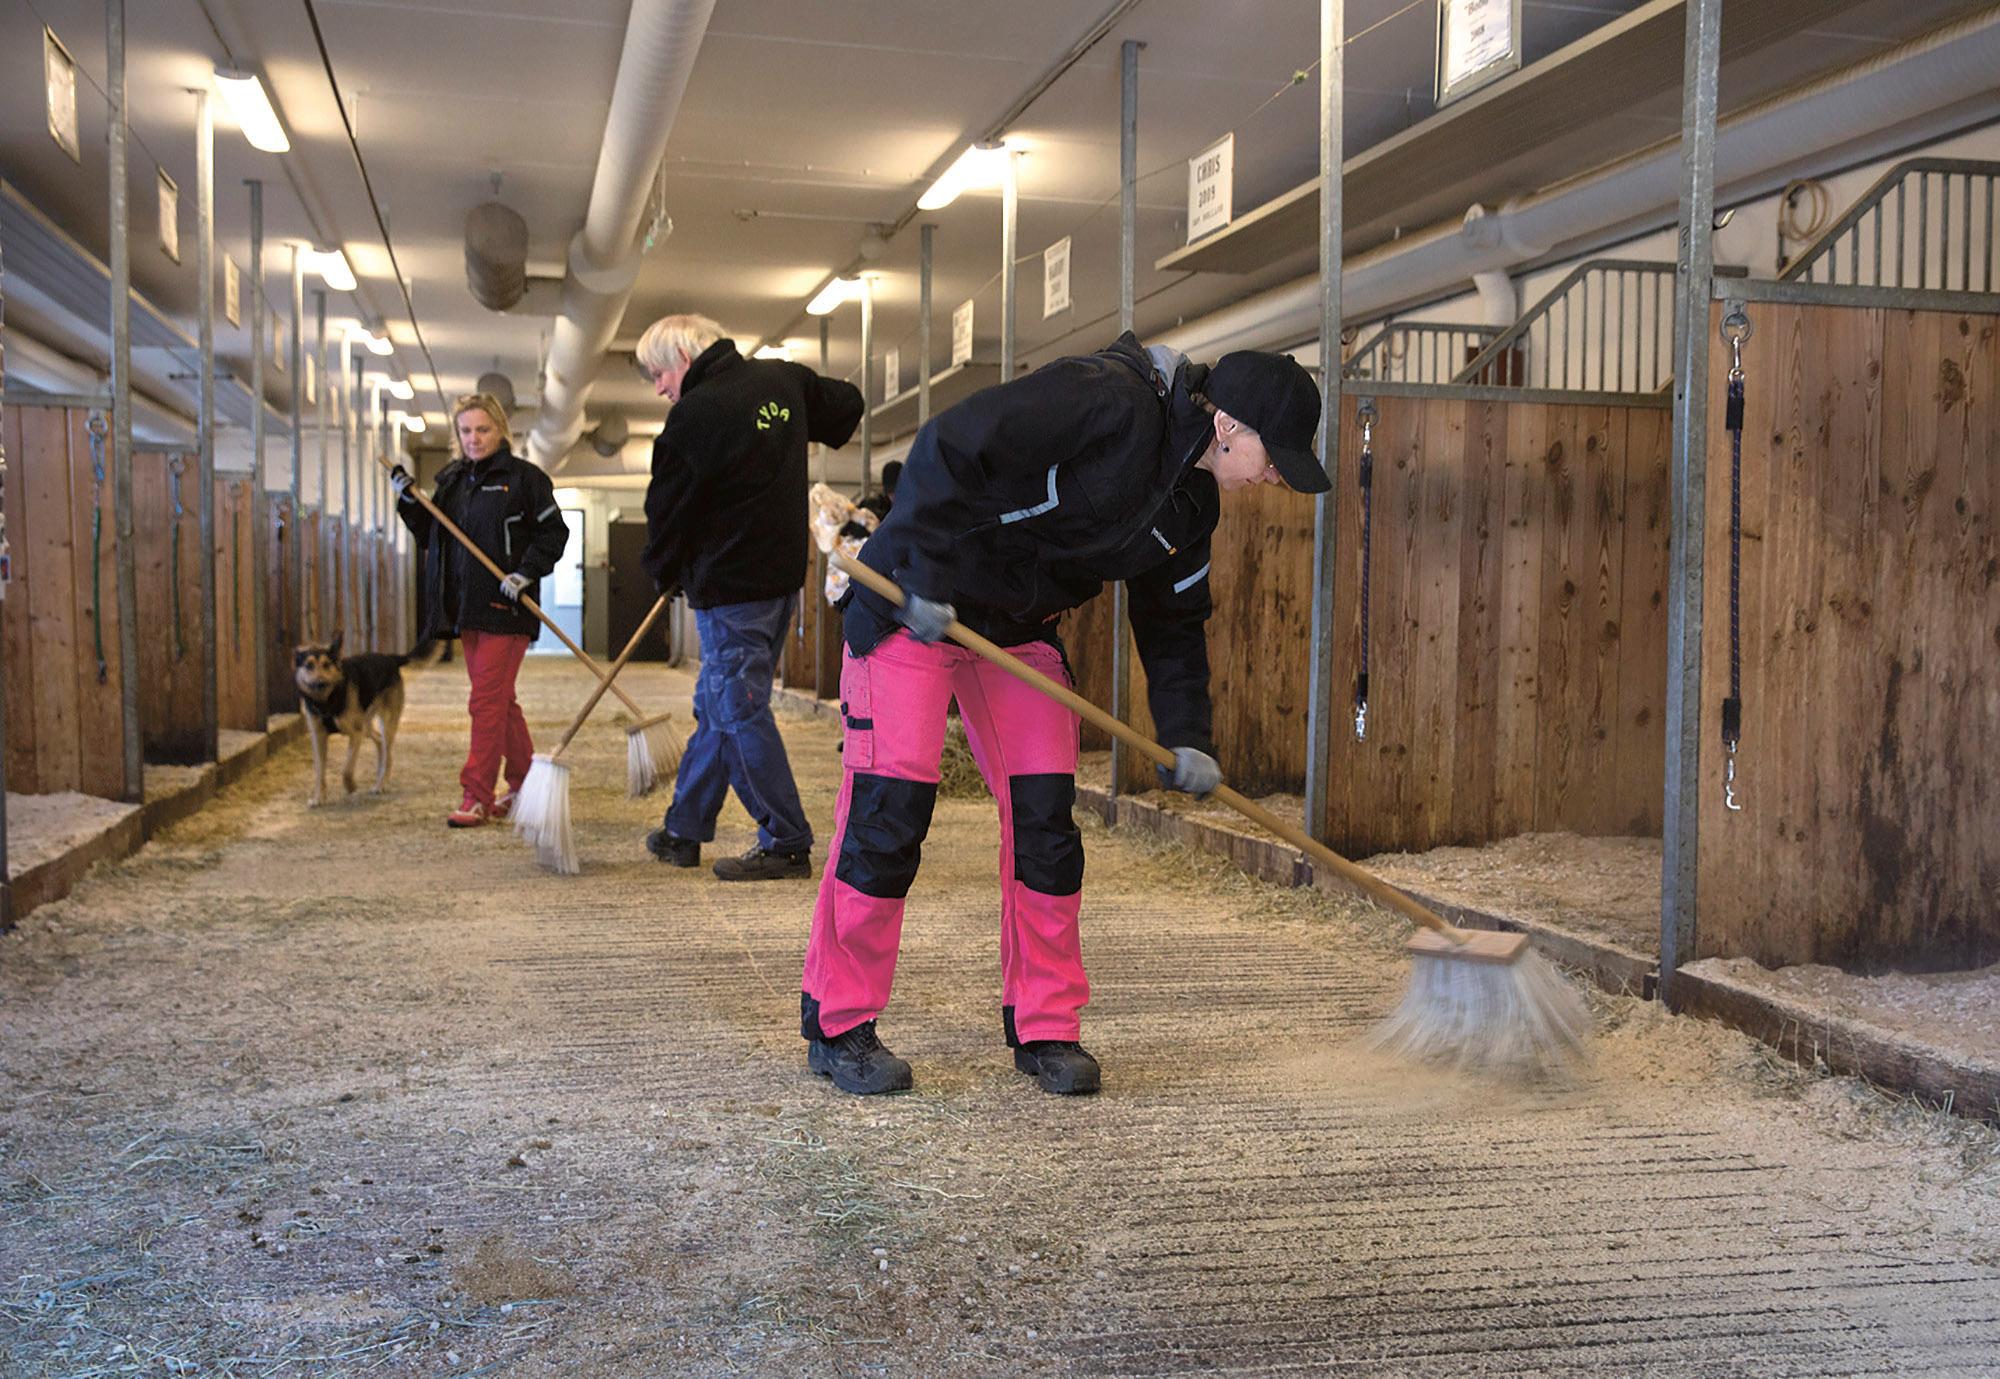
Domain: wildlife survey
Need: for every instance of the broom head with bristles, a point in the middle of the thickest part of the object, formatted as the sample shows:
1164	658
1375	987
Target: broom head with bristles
541	815
652	755
1489	1004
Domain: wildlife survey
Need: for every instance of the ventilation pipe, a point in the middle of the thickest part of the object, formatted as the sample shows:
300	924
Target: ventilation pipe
499	387
611	434
1499	300
661	40
1925	88
496	255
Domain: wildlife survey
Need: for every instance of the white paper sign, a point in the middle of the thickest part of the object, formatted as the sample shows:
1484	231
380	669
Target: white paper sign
170	217
1211	182
59	78
1055	278
892	374
312	379
232	291
1478	41
961	333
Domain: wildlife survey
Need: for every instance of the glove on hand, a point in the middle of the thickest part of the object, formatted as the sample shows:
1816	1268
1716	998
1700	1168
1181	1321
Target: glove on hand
926	618
513	584
1195	773
400	480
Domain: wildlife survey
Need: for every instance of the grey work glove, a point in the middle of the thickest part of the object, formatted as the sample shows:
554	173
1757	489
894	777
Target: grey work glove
513	584
1195	773
400	480
926	618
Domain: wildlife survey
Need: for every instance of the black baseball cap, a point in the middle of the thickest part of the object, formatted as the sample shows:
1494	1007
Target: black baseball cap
1274	396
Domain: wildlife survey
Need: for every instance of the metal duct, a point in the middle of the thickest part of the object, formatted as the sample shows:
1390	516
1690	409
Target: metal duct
611	434
496	255
1923	89
662	38
497	386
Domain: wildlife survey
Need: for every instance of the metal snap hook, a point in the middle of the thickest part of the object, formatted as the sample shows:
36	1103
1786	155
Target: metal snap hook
1729	799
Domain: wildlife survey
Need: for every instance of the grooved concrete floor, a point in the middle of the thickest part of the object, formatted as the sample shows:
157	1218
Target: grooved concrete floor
332	1092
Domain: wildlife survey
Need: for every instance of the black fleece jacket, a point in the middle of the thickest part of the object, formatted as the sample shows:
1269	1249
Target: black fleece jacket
508	507
1019	503
726	510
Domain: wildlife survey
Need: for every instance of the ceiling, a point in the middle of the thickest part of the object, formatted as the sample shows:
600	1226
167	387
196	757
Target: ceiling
802	125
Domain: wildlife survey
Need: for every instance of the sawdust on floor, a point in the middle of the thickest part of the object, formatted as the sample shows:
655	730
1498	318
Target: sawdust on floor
41	828
1957	1011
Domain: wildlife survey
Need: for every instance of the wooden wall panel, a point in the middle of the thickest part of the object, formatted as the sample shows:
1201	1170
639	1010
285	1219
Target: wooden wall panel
281	617
100	692
172	654
24	772
1870	829
235	617
316	605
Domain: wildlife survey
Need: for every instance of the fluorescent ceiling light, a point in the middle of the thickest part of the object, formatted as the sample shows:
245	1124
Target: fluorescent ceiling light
774	352
376	344
252	109
332	267
981	165
400	389
412	423
833	294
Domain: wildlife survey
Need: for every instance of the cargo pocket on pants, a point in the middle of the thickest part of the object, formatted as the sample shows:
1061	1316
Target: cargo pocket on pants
857	715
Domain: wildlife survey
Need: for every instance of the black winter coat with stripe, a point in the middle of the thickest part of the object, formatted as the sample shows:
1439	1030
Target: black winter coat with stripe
1022	501
508	507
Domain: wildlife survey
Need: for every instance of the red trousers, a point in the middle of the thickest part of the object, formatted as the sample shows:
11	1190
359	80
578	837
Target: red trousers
492	660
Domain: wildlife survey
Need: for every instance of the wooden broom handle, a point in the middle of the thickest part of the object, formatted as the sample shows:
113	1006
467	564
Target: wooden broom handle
437	515
1368	884
575	724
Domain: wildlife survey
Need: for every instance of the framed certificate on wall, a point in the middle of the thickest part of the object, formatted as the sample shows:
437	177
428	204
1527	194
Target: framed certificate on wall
1478	42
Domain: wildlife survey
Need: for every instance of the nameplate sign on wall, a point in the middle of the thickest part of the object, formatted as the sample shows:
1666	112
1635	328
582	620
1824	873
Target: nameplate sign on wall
1211	183
232	291
1055	278
961	334
1479	42
892	374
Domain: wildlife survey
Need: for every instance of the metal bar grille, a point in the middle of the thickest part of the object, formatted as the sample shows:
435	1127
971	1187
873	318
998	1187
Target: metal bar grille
1896	256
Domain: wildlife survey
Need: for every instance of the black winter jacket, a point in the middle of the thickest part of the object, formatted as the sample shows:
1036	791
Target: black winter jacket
507	506
726	510
1018	504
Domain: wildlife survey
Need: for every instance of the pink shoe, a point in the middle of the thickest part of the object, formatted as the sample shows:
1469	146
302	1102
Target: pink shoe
469	814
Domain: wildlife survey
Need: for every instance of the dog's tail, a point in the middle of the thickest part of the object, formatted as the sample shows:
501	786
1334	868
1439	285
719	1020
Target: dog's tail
424	654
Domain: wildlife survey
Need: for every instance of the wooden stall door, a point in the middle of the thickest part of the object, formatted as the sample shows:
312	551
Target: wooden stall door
172	654
280	593
235	616
1869	833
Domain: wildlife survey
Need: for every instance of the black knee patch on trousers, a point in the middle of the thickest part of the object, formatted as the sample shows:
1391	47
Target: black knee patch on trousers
809	1018
887	819
1048	848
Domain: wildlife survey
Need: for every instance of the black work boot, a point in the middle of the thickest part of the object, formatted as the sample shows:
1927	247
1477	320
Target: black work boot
1062	1066
857	1062
675	852
760	865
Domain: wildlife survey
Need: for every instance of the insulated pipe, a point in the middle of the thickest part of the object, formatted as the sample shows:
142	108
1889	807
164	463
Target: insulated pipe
496	255
1499	300
1868	104
662	38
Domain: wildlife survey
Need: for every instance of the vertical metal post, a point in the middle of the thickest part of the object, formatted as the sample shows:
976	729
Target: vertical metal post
1319	673
295	546
818	595
1694	277
6	867
204	259
260	503
350	507
926	261
1128	267
825	366
1010	197
322	583
867	383
121	400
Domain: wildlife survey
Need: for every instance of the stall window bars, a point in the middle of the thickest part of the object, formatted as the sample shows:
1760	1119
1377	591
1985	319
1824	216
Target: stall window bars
1416	352
1607	327
1927	224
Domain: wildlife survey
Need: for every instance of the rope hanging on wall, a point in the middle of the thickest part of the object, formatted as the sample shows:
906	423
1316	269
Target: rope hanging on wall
1735	330
236	583
284	594
176	466
1365	411
98	428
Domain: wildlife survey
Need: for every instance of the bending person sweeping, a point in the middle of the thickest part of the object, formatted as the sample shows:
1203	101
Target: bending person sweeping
1014	507
508	507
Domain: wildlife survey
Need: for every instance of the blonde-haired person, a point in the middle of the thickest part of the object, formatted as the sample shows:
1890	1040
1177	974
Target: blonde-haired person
726	525
508	507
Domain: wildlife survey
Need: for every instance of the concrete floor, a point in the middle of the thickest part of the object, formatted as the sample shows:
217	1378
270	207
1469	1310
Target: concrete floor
337	1092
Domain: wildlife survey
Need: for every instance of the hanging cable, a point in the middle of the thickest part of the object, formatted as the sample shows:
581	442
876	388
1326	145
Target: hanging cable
98	429
1735	330
1365	411
176	466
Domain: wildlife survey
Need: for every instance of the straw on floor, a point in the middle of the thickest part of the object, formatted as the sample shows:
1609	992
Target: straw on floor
541	808
1477	1000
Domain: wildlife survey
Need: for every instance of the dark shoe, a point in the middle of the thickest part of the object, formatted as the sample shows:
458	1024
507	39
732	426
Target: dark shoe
675	852
857	1062
1060	1065
759	865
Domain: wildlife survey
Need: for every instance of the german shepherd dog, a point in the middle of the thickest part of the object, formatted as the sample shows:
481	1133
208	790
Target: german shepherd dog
356	695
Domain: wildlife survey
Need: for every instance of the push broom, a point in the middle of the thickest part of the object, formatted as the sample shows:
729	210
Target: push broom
541	809
1476	1000
652	746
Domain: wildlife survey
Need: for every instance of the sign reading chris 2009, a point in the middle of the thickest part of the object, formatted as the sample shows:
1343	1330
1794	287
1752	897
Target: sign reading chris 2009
1211	179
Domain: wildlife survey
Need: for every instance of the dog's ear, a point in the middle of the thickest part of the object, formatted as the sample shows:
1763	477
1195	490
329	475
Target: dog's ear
333	647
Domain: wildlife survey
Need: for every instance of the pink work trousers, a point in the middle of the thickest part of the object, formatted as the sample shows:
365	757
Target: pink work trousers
895	700
492	661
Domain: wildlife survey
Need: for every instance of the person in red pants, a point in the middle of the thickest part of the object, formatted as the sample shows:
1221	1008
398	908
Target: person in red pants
508	507
1015	506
